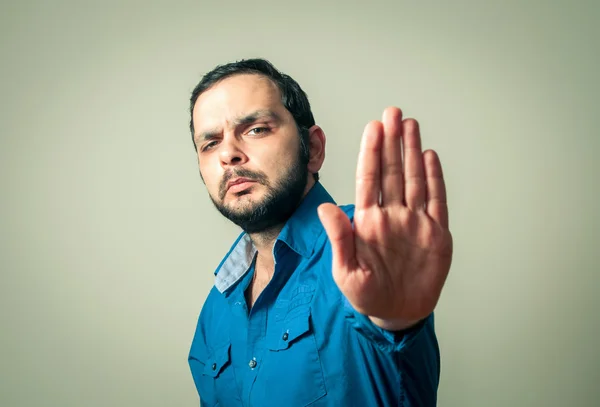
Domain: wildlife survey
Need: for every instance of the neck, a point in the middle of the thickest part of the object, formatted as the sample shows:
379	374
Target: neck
265	263
265	240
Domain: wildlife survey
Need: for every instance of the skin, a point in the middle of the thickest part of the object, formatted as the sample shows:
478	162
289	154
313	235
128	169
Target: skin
393	264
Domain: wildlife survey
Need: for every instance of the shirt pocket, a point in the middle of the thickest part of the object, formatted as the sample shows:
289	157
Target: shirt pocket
285	333
218	369
293	373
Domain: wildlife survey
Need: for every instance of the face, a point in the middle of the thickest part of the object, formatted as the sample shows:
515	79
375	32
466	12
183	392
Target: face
249	152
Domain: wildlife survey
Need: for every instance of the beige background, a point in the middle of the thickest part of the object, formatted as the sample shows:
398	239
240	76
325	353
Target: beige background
108	240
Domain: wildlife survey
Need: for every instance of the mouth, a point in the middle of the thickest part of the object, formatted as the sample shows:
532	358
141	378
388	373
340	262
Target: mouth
239	184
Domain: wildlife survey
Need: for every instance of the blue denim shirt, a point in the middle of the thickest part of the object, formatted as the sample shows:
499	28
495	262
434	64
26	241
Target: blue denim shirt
302	343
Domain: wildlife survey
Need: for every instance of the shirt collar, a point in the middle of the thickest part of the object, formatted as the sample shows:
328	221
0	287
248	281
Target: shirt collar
304	226
299	233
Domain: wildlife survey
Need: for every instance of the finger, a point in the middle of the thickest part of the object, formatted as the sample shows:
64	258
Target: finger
414	174
341	235
437	206
368	171
392	183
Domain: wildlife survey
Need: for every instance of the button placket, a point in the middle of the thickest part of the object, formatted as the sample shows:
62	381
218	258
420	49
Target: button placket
252	364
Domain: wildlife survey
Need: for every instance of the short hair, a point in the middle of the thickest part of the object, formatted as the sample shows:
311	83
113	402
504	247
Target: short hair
293	98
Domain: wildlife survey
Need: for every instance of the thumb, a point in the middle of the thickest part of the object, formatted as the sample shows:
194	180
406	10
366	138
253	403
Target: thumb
340	233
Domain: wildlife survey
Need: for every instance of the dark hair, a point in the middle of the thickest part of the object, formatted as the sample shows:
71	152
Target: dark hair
293	97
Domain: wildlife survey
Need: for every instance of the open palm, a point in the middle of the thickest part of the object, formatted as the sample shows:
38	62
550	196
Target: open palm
392	264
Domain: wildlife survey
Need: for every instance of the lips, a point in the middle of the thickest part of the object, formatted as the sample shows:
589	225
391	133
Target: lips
238	181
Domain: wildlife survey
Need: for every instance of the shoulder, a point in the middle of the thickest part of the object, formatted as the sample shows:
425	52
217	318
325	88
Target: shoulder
213	306
212	312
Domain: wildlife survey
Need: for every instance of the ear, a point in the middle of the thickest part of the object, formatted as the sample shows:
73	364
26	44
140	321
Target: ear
316	145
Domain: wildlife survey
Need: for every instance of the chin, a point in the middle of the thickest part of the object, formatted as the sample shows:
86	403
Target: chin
243	201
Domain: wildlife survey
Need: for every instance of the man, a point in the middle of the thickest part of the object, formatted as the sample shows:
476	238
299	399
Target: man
315	304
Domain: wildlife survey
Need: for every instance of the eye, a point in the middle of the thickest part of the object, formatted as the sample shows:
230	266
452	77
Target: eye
208	146
257	131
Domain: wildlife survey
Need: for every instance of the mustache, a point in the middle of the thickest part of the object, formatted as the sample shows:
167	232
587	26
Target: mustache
256	176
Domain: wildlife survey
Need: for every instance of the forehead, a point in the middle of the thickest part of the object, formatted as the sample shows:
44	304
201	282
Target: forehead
235	96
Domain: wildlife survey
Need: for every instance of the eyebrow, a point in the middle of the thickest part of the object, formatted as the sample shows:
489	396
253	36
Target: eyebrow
264	114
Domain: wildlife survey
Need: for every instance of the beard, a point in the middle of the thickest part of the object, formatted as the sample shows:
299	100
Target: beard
275	208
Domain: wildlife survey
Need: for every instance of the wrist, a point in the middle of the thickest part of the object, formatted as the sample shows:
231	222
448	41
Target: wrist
393	325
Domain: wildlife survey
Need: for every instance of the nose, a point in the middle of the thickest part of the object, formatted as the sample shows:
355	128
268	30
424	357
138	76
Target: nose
231	153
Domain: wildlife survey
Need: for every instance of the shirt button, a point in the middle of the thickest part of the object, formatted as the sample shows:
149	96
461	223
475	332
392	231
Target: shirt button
285	336
252	364
214	366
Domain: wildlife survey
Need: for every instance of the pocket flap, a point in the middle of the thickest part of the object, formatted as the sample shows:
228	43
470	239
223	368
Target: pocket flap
285	332
216	360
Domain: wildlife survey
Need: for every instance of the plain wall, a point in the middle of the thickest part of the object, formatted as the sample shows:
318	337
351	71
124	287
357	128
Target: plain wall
108	240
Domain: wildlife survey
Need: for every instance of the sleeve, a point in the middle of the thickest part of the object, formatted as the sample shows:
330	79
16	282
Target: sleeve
389	341
415	351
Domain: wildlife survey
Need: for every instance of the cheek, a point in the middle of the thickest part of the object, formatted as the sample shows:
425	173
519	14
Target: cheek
281	157
275	164
209	175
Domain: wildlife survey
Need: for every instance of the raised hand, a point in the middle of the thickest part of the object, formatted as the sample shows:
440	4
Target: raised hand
393	263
